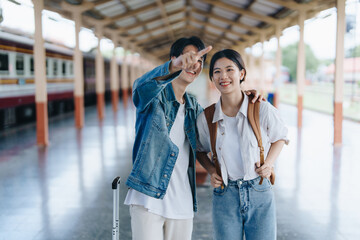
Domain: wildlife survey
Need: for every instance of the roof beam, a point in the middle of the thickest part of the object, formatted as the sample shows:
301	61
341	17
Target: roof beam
156	46
154	19
157	40
293	5
132	37
212	34
311	13
107	21
241	11
132	13
82	7
232	23
166	19
206	24
122	30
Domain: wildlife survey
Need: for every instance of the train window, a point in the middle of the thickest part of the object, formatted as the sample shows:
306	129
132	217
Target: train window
47	67
55	68
71	70
20	64
64	68
4	62
32	65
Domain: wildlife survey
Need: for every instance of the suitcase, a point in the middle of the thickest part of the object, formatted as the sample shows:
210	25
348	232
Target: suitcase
116	192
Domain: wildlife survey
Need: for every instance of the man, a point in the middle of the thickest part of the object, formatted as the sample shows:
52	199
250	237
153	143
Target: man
162	191
162	196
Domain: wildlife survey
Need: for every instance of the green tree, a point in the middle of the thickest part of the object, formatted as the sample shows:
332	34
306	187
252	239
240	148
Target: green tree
353	52
289	59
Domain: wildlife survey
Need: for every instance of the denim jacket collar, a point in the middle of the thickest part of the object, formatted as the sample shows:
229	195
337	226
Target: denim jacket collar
219	115
171	97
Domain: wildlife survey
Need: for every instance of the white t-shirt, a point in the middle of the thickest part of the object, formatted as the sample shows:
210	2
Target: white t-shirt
177	202
231	149
272	129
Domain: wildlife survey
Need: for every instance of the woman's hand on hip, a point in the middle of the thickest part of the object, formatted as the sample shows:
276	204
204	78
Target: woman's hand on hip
264	170
215	180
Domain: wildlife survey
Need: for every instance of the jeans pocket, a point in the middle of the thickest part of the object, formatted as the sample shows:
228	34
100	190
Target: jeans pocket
265	186
220	191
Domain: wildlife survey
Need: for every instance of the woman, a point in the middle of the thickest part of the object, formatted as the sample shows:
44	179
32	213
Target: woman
241	206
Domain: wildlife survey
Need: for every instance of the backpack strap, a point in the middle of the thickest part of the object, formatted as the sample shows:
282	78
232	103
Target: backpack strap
209	115
254	120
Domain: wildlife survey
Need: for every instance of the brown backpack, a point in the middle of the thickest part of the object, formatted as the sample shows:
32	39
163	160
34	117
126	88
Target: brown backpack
254	120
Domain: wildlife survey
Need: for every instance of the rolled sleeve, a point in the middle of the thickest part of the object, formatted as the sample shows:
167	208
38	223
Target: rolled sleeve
276	128
148	86
203	139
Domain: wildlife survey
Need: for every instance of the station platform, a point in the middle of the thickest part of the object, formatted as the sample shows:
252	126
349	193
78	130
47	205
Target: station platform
64	191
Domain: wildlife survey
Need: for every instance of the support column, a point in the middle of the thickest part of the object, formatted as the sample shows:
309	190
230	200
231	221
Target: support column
262	81
125	77
339	72
42	128
114	80
278	61
242	52
79	75
132	68
252	82
300	69
146	67
100	79
141	66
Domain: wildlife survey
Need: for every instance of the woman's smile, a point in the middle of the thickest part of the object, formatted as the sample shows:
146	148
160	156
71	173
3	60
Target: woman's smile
224	83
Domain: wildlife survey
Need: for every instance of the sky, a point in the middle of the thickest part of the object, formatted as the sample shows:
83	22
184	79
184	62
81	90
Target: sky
319	32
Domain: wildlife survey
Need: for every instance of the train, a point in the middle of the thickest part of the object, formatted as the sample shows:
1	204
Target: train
17	88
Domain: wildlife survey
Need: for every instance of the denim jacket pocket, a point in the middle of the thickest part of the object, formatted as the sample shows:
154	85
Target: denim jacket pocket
265	186
220	191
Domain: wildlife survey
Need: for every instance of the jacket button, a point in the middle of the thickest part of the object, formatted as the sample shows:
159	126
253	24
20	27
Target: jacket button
167	124
165	175
222	133
158	194
172	154
219	148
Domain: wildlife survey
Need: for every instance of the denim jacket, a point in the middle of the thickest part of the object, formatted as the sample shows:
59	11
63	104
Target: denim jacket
154	154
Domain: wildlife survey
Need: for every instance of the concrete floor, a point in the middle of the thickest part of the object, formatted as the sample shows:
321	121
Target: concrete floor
64	191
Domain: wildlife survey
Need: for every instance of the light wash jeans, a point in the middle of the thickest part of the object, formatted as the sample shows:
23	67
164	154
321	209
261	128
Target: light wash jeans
244	208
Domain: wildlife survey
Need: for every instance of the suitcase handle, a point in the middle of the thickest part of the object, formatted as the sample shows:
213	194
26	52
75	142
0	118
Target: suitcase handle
116	182
116	189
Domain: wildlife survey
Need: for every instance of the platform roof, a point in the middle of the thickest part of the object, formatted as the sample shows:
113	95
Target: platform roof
150	26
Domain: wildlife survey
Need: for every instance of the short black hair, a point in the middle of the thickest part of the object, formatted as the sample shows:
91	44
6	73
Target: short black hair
231	55
178	46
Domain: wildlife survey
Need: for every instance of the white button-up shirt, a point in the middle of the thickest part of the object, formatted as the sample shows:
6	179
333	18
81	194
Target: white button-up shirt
272	127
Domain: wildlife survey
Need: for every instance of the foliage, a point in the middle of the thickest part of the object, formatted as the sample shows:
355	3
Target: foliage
289	59
353	52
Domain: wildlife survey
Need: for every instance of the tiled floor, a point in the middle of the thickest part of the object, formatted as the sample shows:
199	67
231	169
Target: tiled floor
64	191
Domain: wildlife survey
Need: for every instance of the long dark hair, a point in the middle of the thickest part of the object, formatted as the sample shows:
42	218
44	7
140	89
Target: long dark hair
231	55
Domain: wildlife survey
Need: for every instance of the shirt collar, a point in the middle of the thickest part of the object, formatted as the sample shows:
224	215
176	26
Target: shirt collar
244	106
171	97
219	115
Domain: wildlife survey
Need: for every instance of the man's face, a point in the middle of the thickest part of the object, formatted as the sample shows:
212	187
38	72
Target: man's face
190	75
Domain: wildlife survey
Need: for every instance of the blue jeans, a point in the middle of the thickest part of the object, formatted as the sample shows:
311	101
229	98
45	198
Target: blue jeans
244	207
